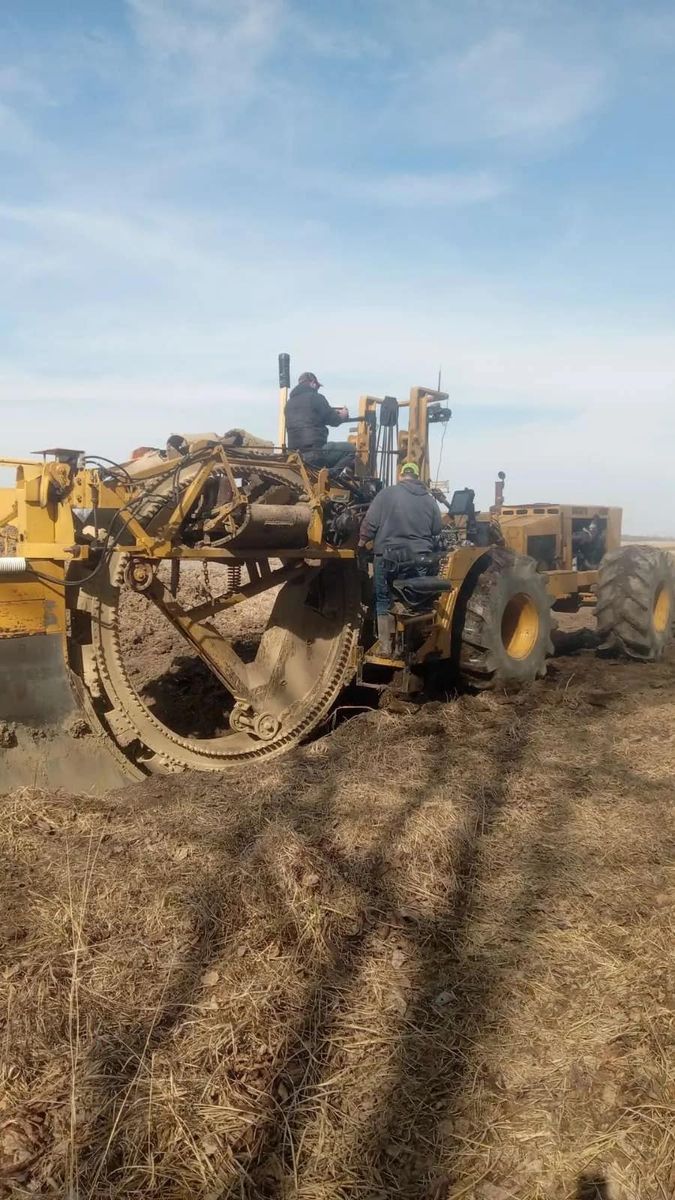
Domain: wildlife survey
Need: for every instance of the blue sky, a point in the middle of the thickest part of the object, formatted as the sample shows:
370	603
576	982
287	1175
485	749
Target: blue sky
189	186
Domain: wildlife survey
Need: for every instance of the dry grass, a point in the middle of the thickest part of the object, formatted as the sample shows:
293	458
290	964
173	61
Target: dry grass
426	957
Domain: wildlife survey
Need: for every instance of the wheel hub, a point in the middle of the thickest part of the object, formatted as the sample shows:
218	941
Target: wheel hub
520	626
661	609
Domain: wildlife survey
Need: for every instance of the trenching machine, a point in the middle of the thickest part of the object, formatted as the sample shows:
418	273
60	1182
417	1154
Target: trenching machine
83	535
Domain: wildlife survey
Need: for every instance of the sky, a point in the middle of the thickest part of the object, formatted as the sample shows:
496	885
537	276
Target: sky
379	188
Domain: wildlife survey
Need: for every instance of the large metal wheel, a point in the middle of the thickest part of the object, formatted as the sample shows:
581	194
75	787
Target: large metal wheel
266	700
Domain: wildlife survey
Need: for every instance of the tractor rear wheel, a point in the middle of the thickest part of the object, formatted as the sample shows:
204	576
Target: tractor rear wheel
502	624
636	602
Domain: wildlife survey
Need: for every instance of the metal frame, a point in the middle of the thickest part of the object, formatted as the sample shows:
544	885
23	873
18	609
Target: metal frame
413	441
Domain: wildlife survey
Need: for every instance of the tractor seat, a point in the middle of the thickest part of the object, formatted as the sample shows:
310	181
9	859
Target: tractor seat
420	591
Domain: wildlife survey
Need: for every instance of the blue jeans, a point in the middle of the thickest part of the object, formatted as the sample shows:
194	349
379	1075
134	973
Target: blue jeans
334	455
383	595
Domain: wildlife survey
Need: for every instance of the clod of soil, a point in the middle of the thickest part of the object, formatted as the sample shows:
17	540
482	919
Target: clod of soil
8	737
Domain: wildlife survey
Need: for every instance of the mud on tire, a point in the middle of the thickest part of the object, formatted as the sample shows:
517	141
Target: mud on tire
502	623
636	602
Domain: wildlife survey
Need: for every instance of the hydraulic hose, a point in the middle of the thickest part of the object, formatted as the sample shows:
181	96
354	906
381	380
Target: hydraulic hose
13	565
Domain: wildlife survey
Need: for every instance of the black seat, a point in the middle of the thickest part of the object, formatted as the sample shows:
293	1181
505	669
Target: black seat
412	577
419	592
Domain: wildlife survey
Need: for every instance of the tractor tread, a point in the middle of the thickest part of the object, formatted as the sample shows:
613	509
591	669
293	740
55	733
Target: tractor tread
630	581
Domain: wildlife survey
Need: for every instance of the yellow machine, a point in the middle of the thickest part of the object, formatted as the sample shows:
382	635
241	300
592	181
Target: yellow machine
89	540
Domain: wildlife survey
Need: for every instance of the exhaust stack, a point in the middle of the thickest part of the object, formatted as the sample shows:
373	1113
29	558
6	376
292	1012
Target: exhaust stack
499	491
284	388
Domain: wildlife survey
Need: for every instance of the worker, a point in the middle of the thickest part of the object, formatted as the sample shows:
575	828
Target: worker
402	517
308	415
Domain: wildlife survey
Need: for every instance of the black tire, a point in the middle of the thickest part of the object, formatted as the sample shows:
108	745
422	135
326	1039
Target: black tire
636	602
503	623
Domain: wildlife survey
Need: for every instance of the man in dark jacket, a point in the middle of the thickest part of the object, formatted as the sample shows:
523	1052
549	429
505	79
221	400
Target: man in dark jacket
308	415
404	516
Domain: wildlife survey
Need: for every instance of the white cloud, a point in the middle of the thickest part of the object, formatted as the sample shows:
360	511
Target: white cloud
16	136
218	46
328	39
524	91
518	76
15	80
143	239
406	190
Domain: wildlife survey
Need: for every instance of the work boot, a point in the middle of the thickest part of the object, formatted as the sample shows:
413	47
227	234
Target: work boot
385	634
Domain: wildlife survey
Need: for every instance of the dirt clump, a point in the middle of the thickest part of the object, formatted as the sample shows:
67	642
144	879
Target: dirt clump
427	956
8	737
9	540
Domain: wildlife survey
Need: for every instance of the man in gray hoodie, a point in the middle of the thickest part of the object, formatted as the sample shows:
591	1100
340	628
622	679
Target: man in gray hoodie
403	516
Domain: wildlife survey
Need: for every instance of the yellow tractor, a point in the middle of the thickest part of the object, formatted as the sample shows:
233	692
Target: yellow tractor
90	544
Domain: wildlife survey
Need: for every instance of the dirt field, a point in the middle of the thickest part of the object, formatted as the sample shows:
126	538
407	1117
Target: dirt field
428	956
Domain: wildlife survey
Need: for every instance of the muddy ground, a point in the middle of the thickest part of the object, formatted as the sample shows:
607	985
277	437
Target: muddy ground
428	956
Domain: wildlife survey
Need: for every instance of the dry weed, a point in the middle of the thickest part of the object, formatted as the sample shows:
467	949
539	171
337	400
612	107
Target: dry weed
428	956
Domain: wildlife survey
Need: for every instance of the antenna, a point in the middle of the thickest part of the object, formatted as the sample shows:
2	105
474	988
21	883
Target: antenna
445	426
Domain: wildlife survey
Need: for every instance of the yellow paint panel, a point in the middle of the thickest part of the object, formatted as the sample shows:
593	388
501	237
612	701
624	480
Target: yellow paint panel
25	617
14	591
32	606
567	583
